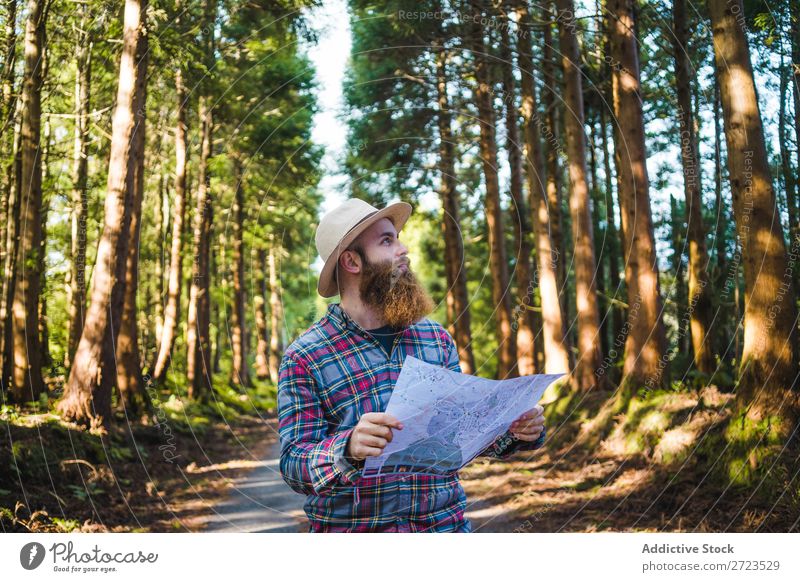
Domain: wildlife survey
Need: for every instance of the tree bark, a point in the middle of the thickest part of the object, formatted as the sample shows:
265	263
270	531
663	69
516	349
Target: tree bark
172	309
699	297
8	208
198	358
795	33
768	365
44	334
240	371
498	264
132	396
612	243
13	186
27	373
259	258
552	150
556	352
645	362
276	313
458	315
520	217
588	373
722	223
76	291
87	395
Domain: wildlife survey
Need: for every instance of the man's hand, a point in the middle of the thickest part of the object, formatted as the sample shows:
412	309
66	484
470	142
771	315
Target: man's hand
372	433
530	425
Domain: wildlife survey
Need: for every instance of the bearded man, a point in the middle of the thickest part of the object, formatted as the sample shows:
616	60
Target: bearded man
335	381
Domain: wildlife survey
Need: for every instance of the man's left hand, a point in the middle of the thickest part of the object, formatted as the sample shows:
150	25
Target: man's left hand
530	425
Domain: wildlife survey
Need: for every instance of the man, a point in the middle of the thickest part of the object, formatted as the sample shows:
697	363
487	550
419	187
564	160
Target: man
336	378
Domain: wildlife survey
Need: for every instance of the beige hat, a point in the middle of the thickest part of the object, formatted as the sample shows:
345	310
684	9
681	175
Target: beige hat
342	225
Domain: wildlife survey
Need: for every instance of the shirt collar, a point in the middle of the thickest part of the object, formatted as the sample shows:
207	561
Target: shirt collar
342	320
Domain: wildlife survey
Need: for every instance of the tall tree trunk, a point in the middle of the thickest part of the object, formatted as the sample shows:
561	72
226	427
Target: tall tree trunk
587	370
76	291
680	297
598	218
458	315
87	395
612	242
520	217
132	396
645	360
198	359
9	60
699	298
722	223
13	185
27	374
795	41
44	334
8	208
768	365
501	296
172	310
219	268
783	139
276	313
259	259
240	371
159	263
555	346
552	149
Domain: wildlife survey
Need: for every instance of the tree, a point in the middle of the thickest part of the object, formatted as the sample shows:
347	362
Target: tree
87	394
240	371
458	315
498	264
175	276
590	355
699	297
767	373
132	397
259	259
644	360
27	378
276	313
520	217
555	346
76	290
198	360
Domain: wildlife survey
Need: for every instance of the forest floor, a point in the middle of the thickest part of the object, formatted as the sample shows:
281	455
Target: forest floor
643	469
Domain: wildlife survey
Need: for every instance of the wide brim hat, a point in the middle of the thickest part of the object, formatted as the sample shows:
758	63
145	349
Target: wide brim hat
341	226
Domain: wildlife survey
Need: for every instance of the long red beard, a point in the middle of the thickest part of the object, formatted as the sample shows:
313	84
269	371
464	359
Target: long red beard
397	295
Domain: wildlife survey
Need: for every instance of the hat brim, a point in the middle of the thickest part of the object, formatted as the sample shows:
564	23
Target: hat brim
398	213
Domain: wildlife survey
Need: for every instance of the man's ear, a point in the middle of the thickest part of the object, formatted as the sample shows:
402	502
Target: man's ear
350	262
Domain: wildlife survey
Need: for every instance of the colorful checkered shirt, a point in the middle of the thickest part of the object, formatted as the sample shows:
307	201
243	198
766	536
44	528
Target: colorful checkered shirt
329	377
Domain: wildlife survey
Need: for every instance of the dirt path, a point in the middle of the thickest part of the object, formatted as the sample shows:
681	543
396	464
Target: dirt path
259	501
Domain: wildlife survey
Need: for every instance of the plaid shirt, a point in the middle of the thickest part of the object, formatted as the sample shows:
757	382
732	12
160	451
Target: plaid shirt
329	377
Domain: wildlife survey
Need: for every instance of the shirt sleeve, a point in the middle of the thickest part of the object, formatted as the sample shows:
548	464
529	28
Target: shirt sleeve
506	444
312	461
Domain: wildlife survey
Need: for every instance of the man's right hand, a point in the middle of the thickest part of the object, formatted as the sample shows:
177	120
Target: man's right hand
372	433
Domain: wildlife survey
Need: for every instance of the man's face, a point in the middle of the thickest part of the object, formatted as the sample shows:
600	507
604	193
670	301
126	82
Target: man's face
380	245
386	282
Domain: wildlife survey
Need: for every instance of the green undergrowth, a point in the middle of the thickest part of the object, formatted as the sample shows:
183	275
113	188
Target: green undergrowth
697	432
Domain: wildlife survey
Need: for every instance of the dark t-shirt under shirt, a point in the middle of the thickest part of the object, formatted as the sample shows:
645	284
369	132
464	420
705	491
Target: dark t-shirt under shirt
385	335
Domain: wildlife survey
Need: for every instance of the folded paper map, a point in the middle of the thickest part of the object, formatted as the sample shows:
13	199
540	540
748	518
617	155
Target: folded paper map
450	418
